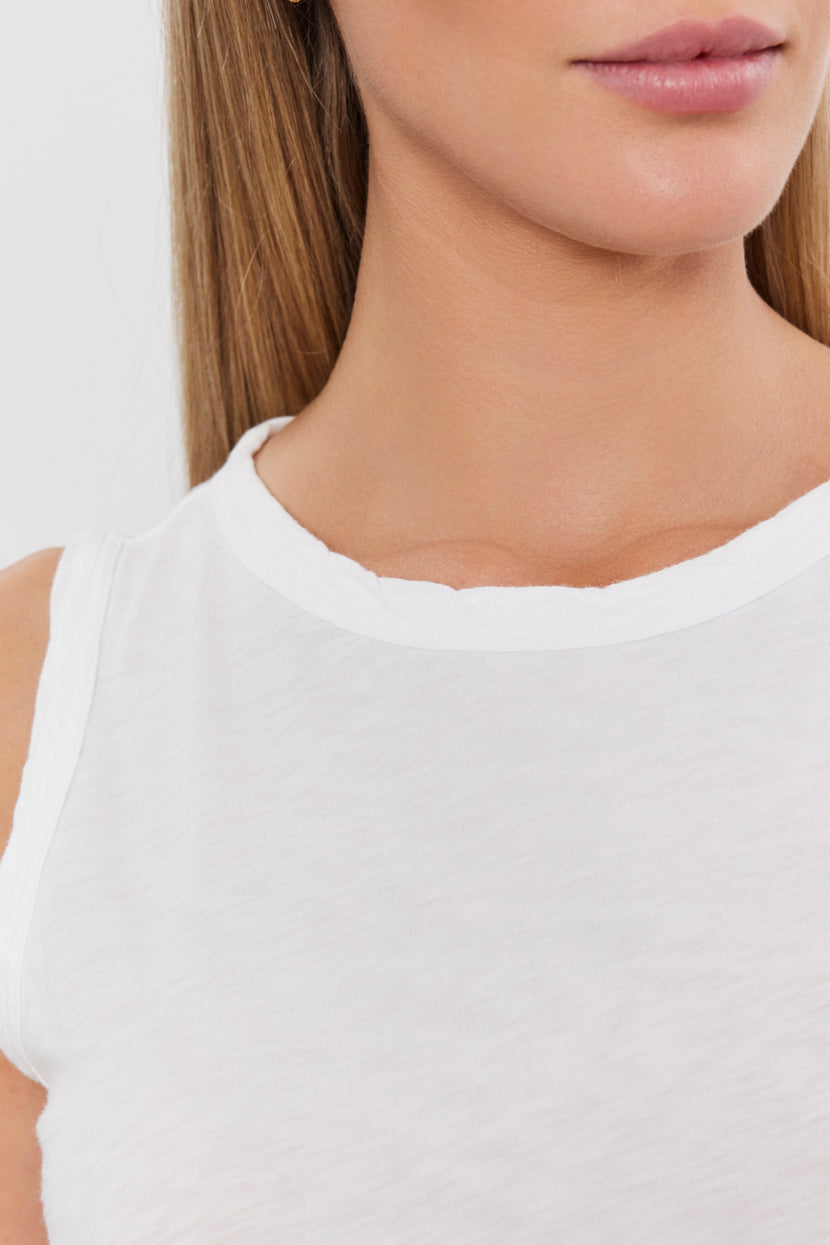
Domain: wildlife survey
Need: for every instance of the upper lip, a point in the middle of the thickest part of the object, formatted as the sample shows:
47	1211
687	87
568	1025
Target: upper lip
688	39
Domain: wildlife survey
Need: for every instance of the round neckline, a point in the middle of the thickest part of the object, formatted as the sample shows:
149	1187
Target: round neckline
423	614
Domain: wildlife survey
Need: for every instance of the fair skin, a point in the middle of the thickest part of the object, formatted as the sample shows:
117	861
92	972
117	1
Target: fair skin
557	370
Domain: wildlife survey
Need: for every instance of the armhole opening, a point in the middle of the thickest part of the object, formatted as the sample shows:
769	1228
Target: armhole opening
77	607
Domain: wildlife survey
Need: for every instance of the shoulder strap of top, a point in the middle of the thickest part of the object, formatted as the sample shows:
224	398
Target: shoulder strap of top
78	602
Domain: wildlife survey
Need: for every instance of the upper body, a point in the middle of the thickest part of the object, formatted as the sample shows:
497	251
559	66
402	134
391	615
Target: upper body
361	908
423	829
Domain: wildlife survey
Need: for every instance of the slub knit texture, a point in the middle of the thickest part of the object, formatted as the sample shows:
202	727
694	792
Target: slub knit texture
346	910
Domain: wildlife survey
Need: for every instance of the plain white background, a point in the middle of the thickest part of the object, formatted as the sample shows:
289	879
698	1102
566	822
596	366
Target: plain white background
90	421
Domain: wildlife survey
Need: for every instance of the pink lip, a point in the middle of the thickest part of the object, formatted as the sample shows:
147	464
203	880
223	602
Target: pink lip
709	84
686	39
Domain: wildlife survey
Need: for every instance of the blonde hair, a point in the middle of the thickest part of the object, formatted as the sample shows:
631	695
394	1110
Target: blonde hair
268	183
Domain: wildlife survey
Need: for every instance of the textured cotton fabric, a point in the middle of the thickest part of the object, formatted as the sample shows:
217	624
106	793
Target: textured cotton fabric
350	910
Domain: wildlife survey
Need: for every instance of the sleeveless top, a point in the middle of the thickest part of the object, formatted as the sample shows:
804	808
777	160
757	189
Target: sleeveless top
342	909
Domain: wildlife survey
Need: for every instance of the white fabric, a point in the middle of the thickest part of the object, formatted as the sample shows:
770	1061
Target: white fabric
347	910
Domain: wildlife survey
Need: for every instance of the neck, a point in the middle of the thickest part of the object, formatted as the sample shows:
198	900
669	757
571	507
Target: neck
506	383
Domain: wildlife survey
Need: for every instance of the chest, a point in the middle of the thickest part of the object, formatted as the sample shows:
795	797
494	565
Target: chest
548	961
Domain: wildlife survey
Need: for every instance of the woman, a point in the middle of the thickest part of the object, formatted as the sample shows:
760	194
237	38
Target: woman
424	828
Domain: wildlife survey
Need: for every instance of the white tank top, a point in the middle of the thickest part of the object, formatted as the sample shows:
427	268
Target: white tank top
350	910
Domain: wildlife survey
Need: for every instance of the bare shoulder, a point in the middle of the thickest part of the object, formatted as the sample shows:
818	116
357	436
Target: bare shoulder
25	589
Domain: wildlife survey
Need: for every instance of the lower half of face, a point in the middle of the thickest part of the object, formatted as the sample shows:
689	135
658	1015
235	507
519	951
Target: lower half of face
656	162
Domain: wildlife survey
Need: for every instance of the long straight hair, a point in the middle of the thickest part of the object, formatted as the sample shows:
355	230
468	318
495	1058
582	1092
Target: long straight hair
268	183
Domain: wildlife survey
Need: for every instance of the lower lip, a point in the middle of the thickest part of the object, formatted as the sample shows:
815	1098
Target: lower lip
708	84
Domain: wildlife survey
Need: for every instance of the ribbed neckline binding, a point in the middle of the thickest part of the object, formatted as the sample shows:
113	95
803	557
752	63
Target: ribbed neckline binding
422	614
